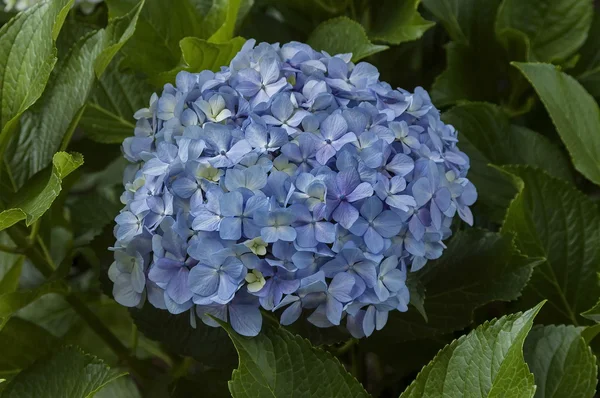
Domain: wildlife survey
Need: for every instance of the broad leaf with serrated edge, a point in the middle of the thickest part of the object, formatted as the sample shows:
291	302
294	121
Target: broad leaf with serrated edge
68	370
488	362
553	220
343	35
21	344
27	56
549	30
561	362
396	23
49	125
32	201
278	364
574	112
477	268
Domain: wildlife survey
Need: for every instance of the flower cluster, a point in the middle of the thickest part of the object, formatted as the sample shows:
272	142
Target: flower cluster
289	180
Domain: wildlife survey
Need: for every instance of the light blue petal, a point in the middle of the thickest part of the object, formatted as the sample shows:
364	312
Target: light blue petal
245	319
203	280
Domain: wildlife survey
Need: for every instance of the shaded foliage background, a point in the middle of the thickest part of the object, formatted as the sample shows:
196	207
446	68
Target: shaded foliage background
519	79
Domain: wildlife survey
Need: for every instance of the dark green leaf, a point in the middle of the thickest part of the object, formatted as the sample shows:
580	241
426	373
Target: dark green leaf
574	112
593	313
466	21
553	220
32	201
206	344
118	320
398	22
14	301
21	344
108	116
154	48
49	126
488	362
487	136
118	32
343	35
587	69
68	370
477	268
550	30
561	362
45	125
199	55
278	364
27	56
476	63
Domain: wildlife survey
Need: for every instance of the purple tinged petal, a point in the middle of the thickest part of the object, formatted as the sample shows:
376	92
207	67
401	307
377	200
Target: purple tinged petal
345	214
363	190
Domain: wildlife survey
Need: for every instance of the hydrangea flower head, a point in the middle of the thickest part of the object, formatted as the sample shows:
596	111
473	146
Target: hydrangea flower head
292	181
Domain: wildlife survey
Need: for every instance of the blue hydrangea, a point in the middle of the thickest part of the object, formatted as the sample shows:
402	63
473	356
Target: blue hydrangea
292	181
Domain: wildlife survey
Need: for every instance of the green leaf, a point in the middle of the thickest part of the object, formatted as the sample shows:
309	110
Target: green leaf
35	198
561	362
45	125
154	48
205	344
27	56
118	32
488	362
48	127
343	35
10	280
549	30
593	313
477	268
466	21
278	364
487	136
199	55
225	32
14	301
398	23
7	260
123	387
574	112
553	220
21	344
118	320
108	116
587	69
68	370
477	66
